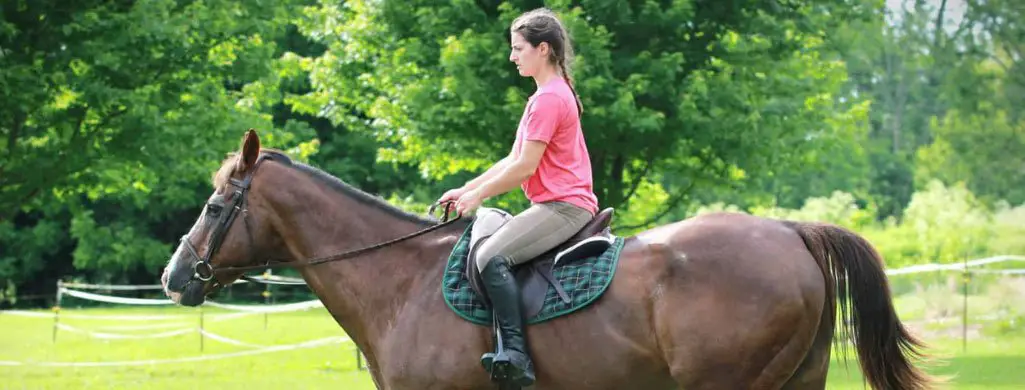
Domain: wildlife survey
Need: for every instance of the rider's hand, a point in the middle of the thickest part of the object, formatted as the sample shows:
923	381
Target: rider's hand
468	202
452	194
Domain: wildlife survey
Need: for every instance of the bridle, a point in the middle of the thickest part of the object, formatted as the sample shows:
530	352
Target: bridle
204	270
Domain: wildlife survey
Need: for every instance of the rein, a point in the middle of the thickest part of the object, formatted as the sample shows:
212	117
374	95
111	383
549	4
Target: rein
204	270
338	256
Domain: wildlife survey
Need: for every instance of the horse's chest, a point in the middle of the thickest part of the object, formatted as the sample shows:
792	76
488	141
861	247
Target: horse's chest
423	367
419	357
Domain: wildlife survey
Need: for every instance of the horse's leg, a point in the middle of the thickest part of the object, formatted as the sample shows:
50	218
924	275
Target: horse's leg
811	375
752	311
782	367
755	370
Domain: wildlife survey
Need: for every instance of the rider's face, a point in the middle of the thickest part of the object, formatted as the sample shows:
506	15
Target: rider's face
528	59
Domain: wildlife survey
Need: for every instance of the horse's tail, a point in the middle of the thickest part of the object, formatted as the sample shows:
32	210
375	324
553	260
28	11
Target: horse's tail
854	274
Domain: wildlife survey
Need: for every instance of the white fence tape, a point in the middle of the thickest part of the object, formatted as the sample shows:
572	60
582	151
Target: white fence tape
173	333
176	325
113	299
306	305
914	269
120	287
101	317
1000	271
279	348
225	317
217	337
297	306
113	317
123	336
138	287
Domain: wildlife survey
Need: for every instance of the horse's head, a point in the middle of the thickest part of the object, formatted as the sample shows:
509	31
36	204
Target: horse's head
229	233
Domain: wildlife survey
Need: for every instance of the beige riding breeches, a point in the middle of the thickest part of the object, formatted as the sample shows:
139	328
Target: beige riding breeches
536	230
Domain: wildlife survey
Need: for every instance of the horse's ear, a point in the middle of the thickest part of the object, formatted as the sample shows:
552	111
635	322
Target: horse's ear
250	150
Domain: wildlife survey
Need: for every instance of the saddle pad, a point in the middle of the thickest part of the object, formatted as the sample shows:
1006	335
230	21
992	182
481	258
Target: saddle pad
584	280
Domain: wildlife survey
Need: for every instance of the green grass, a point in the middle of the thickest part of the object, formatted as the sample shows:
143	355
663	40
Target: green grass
30	339
990	362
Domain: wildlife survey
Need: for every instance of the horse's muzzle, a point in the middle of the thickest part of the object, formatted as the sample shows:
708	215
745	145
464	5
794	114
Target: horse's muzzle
194	294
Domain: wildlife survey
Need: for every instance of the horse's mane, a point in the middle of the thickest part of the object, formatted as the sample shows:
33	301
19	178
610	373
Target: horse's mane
230	166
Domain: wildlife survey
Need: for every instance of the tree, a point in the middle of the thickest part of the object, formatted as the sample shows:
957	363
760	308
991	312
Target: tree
680	95
904	61
97	92
980	140
115	114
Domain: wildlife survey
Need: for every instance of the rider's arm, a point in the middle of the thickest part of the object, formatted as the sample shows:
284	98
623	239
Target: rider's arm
515	172
490	173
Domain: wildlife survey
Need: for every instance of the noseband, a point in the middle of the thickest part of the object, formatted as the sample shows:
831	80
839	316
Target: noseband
204	270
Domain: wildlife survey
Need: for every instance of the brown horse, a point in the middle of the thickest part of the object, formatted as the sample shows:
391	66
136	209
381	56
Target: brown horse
723	301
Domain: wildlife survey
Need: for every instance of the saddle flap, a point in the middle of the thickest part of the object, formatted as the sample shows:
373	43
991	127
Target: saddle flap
533	286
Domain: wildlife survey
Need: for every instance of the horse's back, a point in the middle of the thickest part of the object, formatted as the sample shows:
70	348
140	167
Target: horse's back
736	246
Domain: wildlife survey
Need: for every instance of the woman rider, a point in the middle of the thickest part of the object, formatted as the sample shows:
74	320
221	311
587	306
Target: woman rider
549	161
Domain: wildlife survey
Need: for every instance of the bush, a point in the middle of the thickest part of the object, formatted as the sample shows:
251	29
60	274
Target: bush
949	223
942	224
1008	230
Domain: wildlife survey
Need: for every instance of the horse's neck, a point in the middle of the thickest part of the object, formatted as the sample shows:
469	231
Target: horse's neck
363	293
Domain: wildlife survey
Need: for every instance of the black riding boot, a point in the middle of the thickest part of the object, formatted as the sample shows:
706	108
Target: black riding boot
511	362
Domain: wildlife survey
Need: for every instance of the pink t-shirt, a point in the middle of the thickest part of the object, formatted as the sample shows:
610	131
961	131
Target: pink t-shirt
564	172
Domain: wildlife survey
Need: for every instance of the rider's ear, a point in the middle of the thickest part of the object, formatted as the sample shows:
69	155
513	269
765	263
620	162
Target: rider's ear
250	150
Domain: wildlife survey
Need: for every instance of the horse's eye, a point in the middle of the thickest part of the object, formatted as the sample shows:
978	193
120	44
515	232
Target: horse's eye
213	210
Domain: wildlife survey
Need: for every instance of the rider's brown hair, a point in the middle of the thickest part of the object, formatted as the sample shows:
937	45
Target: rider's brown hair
542	25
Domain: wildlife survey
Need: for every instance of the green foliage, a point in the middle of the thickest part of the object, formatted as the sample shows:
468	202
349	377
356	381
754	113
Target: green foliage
115	115
949	222
25	246
1009	229
115	246
685	102
987	160
644	207
840	208
98	92
942	224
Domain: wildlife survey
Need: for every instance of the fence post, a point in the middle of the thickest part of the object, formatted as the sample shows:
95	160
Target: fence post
266	297
57	309
201	335
966	277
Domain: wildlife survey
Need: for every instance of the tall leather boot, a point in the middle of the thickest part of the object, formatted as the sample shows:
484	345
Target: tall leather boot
512	363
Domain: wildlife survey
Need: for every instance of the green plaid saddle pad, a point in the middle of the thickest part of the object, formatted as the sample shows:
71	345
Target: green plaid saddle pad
584	280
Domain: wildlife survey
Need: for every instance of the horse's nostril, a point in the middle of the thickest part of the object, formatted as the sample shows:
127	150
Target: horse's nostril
175	280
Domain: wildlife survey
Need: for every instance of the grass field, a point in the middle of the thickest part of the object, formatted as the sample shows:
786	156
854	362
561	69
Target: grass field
990	363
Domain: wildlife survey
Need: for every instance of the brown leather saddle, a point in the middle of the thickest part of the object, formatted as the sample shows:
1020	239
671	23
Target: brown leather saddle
536	275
